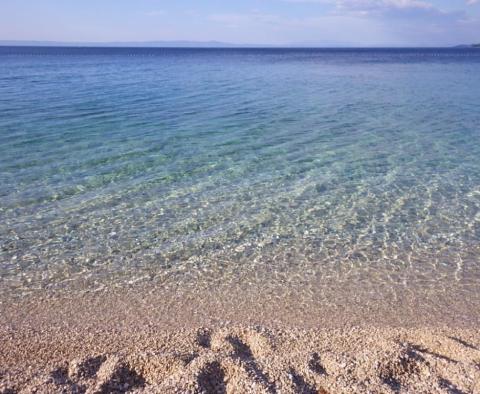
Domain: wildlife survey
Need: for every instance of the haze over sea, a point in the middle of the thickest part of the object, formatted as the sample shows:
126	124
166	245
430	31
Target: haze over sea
295	178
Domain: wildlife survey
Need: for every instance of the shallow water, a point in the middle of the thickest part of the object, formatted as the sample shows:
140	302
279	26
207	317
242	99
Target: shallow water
296	172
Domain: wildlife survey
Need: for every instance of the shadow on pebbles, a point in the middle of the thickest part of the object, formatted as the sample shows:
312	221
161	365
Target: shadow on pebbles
257	360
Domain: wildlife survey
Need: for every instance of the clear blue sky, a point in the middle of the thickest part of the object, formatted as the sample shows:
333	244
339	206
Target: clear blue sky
324	22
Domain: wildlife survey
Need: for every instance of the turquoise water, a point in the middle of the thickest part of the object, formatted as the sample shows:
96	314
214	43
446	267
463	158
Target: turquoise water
320	167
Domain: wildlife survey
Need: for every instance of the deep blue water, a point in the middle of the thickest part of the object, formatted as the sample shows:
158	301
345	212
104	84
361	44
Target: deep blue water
121	165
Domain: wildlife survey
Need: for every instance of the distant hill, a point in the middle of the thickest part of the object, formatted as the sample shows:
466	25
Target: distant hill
146	44
468	46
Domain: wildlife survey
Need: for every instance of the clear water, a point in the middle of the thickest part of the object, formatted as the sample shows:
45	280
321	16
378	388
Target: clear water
281	169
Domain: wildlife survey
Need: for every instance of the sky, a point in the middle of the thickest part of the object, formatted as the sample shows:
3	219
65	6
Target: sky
272	22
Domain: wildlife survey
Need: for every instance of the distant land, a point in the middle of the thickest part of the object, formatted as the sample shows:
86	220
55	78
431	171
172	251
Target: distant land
468	46
133	44
174	44
181	44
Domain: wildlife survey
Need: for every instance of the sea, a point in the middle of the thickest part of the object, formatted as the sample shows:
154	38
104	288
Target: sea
324	177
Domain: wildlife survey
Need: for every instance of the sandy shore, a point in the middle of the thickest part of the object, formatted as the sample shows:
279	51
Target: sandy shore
242	359
146	340
239	359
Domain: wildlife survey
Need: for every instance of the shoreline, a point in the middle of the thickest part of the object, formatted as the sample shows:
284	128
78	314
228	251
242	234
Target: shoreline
334	305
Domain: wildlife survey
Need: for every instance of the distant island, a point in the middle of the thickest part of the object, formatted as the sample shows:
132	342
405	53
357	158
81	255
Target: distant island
171	44
143	44
468	46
